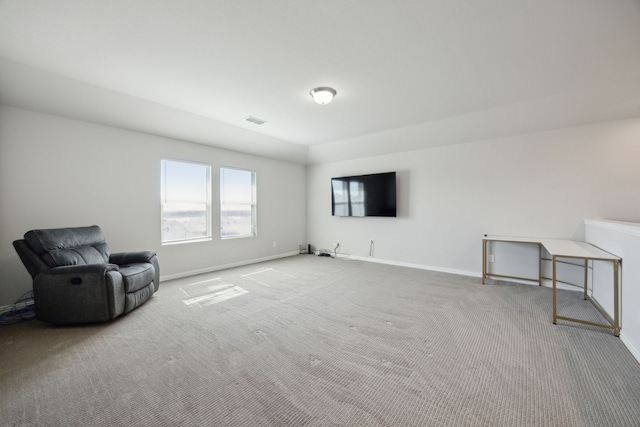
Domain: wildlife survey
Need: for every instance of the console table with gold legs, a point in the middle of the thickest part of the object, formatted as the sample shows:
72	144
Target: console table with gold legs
565	249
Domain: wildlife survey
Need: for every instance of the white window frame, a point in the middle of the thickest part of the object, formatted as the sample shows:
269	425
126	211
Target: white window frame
165	202
226	201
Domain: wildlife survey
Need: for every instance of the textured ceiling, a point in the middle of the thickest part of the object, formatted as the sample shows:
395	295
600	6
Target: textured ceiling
409	74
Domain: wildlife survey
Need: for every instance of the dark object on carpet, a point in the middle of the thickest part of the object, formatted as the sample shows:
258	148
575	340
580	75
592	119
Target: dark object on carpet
76	278
21	310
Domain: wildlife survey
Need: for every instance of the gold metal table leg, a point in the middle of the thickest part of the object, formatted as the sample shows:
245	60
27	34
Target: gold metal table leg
553	281
484	260
616	308
586	277
539	264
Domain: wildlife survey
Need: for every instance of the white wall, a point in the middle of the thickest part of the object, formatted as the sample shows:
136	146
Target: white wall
542	184
623	240
56	172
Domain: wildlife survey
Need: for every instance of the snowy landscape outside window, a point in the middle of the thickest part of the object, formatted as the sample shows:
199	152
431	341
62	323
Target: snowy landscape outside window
237	203
186	201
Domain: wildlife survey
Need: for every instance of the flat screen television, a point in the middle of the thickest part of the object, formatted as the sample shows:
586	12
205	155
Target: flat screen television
364	195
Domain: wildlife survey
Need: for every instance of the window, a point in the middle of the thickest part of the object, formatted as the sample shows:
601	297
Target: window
348	198
340	196
356	191
237	203
186	201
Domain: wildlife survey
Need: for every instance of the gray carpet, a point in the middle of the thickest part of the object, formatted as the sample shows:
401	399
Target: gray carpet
310	341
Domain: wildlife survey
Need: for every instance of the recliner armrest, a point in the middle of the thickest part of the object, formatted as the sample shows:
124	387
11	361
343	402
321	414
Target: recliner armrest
122	258
80	269
73	275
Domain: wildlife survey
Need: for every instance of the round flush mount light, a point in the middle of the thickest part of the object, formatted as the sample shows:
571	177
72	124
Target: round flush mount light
323	95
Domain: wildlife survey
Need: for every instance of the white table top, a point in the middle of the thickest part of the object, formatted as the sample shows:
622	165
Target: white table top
560	248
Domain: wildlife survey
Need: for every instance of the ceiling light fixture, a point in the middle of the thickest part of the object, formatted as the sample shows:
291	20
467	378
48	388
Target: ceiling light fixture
323	95
255	120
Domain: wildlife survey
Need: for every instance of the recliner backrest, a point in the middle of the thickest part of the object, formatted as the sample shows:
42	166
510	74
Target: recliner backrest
69	246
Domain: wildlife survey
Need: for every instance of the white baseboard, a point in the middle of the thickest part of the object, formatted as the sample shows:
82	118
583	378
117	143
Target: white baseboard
634	351
224	266
418	266
545	283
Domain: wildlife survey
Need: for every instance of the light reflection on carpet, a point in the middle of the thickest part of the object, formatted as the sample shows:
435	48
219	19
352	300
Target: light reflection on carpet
202	294
278	274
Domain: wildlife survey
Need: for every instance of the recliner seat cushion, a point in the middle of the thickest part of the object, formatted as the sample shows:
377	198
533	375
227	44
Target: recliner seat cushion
137	298
137	276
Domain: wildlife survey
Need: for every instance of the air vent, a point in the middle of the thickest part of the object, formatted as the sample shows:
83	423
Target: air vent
255	120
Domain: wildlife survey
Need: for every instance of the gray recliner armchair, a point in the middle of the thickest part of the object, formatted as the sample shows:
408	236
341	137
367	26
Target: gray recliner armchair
76	279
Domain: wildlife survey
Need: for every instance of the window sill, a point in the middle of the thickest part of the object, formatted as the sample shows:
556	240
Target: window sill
244	236
181	242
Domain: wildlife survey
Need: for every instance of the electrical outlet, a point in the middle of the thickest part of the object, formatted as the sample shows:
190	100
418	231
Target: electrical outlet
492	258
275	244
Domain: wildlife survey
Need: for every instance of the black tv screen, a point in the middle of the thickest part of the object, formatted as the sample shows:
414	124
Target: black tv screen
364	195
